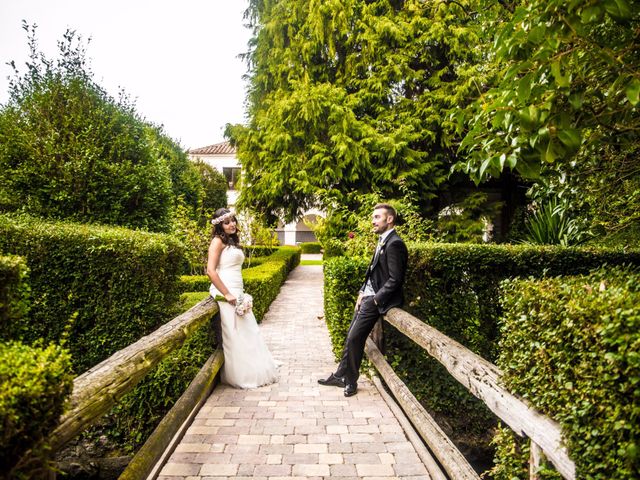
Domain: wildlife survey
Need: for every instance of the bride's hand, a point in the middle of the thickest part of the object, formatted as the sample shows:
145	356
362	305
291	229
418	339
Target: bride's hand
230	299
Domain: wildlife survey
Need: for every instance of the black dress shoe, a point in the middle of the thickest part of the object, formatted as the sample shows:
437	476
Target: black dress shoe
350	390
332	381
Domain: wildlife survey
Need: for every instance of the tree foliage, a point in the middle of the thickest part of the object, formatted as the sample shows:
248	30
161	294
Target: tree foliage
350	96
69	150
567	86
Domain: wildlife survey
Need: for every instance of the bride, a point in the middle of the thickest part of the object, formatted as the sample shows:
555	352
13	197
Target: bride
247	360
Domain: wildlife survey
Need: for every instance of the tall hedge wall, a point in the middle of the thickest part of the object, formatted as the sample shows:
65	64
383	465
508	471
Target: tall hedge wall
456	289
101	287
14	296
571	346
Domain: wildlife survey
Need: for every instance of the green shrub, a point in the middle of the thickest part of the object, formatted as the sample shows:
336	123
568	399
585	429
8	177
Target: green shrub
69	150
571	347
311	247
343	277
194	283
263	282
34	384
103	286
14	296
190	299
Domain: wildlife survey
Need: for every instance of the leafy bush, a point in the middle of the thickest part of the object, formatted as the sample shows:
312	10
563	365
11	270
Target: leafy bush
263	281
343	277
69	150
14	296
34	384
311	247
570	346
215	186
103	286
551	224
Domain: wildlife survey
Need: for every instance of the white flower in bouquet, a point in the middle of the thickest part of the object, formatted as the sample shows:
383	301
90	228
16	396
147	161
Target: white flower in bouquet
244	304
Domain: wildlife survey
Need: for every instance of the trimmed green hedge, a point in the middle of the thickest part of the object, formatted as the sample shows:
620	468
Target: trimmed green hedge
263	281
311	247
201	283
571	346
343	277
34	384
194	283
102	287
14	296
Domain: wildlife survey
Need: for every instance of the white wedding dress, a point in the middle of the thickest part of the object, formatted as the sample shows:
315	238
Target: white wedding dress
247	360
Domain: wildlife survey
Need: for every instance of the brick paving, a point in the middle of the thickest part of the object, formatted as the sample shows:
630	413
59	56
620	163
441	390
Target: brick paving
295	428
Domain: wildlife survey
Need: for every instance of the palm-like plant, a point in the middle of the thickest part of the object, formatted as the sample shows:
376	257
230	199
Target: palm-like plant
551	224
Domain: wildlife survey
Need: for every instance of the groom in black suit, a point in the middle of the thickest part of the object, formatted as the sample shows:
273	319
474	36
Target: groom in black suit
381	291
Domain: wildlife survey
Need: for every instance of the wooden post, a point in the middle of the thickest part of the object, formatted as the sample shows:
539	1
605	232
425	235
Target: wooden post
171	427
535	460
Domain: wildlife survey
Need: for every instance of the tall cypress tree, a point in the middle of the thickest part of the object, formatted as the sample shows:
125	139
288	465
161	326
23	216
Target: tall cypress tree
352	96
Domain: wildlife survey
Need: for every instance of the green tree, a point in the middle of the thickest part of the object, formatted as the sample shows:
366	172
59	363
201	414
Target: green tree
350	97
186	182
69	150
567	88
214	186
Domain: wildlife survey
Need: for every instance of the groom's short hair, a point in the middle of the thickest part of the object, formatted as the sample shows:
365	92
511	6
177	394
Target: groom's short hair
390	211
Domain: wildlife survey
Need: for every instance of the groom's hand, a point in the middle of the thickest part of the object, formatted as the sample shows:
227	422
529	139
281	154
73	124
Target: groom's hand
358	301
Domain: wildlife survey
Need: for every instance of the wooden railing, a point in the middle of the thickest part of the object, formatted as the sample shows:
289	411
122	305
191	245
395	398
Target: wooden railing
482	379
99	388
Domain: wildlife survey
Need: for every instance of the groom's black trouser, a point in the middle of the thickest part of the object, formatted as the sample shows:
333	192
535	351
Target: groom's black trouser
364	319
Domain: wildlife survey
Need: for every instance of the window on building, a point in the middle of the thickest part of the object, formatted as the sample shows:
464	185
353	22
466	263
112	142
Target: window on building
232	174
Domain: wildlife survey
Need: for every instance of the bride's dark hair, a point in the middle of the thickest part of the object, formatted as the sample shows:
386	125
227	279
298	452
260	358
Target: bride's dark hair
218	230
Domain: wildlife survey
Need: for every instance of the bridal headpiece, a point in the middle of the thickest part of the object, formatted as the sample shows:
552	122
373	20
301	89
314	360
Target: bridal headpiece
222	218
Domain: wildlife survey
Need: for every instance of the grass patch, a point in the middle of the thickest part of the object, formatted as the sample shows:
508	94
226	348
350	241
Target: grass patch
310	262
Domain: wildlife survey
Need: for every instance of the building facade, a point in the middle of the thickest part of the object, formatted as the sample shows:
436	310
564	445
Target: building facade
222	156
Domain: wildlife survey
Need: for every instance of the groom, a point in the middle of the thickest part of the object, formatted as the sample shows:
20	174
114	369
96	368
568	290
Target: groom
381	291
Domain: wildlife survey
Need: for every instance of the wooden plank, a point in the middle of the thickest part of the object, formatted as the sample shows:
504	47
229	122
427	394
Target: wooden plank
535	461
482	379
444	450
99	388
146	459
435	473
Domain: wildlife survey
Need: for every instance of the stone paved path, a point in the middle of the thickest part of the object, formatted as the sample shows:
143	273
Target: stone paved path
295	428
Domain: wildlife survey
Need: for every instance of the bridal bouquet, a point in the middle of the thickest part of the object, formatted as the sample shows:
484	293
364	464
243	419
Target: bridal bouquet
244	304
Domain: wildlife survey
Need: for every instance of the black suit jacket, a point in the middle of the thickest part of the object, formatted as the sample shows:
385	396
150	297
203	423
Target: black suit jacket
387	273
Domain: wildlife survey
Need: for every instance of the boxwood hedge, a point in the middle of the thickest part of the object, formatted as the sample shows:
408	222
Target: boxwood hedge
34	384
102	287
14	296
571	346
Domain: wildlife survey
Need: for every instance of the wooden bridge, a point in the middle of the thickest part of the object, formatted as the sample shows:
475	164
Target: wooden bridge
297	428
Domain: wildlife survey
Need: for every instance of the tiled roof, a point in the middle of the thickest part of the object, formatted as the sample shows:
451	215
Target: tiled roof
223	148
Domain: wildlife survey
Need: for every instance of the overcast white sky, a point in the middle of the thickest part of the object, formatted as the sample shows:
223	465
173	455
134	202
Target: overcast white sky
176	59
